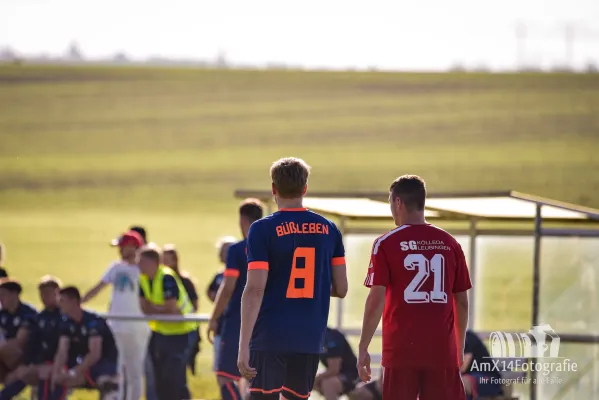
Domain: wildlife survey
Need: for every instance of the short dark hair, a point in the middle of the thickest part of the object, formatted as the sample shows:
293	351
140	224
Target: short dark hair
290	177
11	285
71	292
150	253
142	232
49	281
411	189
251	209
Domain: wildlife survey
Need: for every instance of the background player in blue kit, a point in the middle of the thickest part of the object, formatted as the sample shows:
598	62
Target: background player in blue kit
483	381
87	347
42	343
16	321
341	374
228	304
296	261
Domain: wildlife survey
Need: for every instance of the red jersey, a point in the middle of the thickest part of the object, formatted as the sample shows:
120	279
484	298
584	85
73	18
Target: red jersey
421	266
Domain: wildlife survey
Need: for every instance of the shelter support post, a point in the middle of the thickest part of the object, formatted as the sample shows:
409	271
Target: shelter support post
471	310
342	229
536	273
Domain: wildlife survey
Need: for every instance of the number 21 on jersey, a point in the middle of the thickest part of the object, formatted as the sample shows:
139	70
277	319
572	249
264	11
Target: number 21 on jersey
423	268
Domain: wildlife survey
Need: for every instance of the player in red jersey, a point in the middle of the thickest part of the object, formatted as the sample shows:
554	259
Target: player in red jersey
296	262
418	282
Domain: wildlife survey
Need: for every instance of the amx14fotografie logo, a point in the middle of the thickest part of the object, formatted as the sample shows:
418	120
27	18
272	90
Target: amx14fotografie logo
535	350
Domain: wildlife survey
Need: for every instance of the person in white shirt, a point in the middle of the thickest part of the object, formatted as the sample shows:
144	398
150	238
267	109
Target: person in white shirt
132	337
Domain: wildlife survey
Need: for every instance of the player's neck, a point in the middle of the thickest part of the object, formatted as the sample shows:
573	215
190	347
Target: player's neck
129	260
414	219
290	203
77	315
12	308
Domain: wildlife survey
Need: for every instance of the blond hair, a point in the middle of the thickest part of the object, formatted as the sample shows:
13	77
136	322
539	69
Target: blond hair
49	281
290	177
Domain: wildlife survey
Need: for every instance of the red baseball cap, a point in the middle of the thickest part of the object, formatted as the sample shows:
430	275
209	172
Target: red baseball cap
128	238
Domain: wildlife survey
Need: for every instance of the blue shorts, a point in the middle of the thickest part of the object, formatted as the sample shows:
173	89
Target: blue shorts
226	364
290	374
101	368
482	385
216	348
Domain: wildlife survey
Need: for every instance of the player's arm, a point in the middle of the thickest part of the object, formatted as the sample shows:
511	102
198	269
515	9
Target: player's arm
93	292
171	295
22	338
467	361
106	279
192	293
227	286
251	299
212	289
333	368
24	332
334	357
62	355
377	280
339	274
32	347
468	353
94	344
461	285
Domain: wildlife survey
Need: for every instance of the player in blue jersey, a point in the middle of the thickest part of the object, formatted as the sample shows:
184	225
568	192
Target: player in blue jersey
16	322
42	343
228	304
296	262
87	348
341	375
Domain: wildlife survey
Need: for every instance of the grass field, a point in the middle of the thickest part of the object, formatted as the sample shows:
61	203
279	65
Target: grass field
87	151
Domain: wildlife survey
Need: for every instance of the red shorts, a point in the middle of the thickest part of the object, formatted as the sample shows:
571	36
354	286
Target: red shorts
402	383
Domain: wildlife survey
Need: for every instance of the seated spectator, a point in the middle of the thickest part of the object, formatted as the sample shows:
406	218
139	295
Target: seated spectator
170	258
16	322
372	390
341	374
3	273
43	342
222	247
477	380
87	348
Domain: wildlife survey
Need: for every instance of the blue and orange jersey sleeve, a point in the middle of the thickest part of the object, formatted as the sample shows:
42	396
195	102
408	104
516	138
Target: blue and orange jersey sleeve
232	265
257	247
339	252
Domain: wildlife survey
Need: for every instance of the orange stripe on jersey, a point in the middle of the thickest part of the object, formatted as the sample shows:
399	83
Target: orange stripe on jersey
303	396
258	265
338	261
294	209
266	391
224	374
233	273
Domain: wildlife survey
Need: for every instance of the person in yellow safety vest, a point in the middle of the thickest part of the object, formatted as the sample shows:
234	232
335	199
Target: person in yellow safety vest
162	292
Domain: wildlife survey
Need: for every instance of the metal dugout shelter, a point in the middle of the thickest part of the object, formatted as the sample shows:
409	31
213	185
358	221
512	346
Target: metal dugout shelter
474	214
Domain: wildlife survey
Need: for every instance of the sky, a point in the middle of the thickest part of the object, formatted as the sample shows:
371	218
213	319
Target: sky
387	34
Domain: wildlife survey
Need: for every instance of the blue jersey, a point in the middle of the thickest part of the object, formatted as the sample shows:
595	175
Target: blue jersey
79	333
298	248
213	287
43	341
337	346
23	317
236	267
